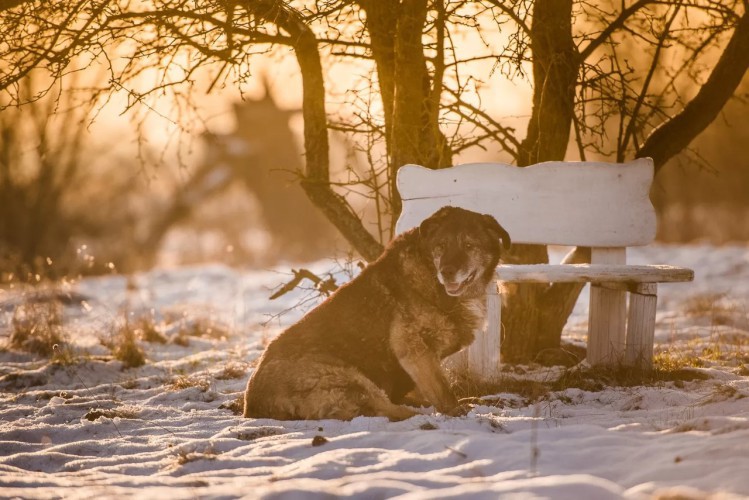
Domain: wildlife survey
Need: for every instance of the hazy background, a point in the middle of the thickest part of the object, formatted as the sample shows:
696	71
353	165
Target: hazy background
95	189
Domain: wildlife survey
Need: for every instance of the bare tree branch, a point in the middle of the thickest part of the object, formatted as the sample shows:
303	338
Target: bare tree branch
511	14
613	26
675	134
630	130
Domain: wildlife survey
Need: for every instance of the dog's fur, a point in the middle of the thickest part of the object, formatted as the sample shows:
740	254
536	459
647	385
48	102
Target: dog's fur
384	334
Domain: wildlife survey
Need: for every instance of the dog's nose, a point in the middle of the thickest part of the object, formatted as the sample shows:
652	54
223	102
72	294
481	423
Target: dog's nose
448	271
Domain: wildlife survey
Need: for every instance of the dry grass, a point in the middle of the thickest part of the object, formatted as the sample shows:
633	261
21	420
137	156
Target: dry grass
181	382
469	388
232	371
598	378
202	328
185	457
715	308
128	412
36	327
676	359
727	348
63	355
723	392
146	329
125	348
194	328
180	340
236	405
704	304
129	383
258	433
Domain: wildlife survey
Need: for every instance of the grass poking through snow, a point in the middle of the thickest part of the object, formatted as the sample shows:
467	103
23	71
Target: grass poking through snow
125	348
36	328
232	370
181	382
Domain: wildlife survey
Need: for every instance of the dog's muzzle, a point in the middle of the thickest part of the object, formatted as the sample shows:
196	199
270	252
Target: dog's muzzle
456	288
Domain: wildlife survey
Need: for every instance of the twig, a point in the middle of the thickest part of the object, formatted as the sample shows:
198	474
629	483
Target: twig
325	286
457	452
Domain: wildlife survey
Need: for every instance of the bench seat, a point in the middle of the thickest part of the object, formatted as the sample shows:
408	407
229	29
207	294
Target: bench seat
592	273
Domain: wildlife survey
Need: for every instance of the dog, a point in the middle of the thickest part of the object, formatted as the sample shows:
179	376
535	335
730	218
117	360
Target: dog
379	339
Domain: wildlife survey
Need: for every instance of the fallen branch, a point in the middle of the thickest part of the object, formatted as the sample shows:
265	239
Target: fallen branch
325	286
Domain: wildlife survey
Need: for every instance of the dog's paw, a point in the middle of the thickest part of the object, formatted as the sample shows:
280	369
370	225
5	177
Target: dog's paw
415	399
401	412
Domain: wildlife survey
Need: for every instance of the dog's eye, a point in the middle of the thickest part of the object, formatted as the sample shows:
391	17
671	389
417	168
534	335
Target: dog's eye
468	245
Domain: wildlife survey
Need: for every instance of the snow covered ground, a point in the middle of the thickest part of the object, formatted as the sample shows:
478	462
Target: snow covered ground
85	426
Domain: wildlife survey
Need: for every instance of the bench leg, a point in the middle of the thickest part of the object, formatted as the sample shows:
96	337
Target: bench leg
643	299
607	315
606	325
483	354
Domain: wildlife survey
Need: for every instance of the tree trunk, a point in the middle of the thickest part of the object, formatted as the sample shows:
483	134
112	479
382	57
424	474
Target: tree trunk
381	21
411	115
555	67
534	315
520	314
557	302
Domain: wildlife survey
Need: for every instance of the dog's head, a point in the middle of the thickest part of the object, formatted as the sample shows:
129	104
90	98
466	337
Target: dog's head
464	246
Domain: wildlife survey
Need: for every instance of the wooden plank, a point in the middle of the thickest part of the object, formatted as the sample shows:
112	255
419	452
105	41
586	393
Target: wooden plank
576	273
641	326
607	314
483	354
591	204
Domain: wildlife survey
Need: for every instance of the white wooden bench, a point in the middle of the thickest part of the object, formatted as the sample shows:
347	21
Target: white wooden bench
605	206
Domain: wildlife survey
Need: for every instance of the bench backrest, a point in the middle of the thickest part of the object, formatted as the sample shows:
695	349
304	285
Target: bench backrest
591	204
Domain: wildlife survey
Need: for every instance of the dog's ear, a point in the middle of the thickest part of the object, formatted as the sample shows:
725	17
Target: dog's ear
496	229
431	223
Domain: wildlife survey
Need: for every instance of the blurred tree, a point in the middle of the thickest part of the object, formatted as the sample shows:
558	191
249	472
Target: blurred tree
41	164
263	156
60	198
623	79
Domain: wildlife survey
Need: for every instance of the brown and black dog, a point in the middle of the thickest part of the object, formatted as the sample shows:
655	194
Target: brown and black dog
383	334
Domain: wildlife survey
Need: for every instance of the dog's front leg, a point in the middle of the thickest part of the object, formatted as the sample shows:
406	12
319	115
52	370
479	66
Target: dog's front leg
423	366
427	375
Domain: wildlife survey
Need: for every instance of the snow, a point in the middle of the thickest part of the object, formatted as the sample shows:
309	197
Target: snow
94	428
